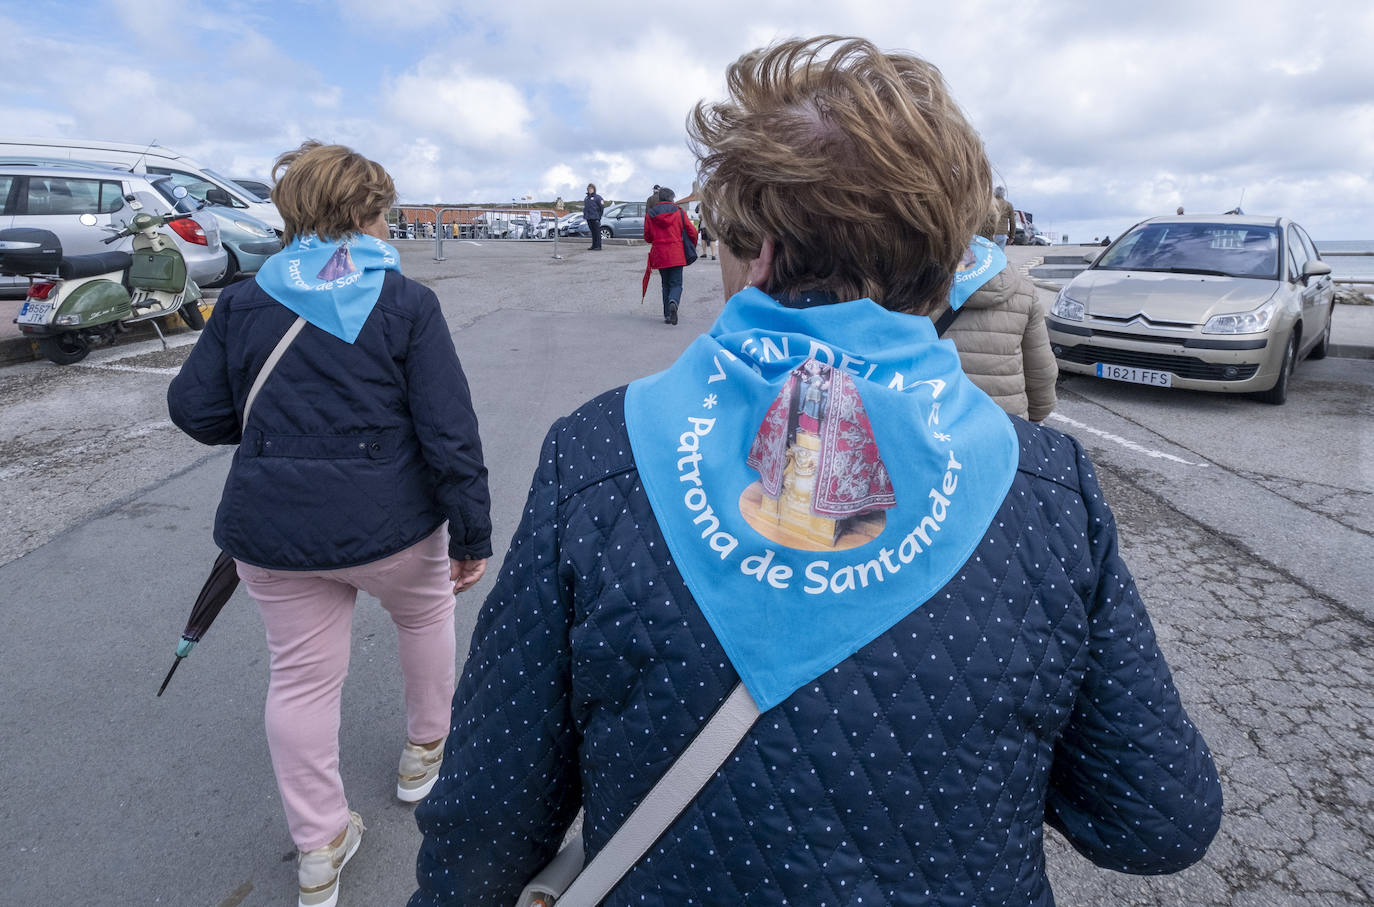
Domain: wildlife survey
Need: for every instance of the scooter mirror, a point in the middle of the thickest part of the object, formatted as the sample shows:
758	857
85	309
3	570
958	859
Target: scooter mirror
88	219
179	191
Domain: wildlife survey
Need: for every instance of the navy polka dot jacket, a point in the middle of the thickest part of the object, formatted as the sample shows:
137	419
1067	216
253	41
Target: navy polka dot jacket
1030	689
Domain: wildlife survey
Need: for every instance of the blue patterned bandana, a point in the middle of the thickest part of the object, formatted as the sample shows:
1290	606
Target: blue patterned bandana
982	261
818	474
331	284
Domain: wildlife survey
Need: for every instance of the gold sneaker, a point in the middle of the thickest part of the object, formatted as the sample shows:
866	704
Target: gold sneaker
418	772
318	870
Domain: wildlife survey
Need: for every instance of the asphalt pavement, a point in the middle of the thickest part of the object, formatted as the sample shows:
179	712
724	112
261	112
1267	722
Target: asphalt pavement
1254	562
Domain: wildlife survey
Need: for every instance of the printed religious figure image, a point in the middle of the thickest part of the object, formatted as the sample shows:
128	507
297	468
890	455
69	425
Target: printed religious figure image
822	484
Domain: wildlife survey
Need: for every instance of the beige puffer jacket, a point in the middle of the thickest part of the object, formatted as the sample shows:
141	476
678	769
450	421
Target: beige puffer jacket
1004	346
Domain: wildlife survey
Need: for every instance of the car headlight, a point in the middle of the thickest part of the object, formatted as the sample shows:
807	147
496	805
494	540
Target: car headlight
252	228
1252	322
1068	308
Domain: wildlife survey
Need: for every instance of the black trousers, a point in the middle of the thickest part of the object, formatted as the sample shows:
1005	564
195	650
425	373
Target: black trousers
596	232
671	279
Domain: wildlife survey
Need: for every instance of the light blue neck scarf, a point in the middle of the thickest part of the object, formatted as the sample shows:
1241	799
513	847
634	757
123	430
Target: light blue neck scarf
818	474
331	284
982	261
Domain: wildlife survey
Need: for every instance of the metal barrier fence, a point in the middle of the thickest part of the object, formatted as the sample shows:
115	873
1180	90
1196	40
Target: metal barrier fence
474	223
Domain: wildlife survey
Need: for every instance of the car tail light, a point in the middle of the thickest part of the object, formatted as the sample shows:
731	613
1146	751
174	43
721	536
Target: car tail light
41	289
189	230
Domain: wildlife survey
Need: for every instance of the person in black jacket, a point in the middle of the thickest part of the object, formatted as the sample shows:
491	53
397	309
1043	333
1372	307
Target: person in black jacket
921	595
358	467
592	208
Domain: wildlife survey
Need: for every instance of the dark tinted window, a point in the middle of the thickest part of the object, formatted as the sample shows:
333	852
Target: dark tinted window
6	184
1234	250
111	197
59	195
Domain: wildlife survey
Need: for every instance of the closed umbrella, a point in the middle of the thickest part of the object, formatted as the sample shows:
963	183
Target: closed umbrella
219	585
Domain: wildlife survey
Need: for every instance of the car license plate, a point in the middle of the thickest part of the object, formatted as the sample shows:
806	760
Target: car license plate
34	312
1135	375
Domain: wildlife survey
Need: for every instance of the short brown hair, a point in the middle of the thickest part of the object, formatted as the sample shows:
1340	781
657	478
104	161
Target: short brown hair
329	190
857	163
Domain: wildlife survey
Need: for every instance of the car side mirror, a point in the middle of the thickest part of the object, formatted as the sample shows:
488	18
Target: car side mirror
1315	268
1090	257
217	196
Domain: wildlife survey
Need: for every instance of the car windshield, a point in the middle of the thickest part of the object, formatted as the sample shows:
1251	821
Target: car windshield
1228	250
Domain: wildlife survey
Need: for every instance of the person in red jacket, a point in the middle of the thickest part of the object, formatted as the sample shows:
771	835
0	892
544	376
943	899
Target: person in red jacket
664	225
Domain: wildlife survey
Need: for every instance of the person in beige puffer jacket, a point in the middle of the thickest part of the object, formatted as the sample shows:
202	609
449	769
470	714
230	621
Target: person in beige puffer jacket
1004	346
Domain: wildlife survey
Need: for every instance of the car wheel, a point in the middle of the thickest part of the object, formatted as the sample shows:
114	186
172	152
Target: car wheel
606	233
231	270
64	349
1279	392
1323	345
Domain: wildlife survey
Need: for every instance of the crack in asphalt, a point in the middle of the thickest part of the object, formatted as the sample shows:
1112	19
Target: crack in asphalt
1277	677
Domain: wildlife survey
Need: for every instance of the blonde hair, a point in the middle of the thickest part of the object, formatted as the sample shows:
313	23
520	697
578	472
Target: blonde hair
329	190
857	163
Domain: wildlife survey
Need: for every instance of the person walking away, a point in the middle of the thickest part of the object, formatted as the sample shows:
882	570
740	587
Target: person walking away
664	225
922	597
999	330
1000	225
653	197
708	240
592	209
359	467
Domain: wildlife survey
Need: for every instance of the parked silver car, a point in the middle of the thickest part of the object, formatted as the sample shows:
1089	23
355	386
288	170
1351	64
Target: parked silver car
247	241
624	220
84	206
1223	303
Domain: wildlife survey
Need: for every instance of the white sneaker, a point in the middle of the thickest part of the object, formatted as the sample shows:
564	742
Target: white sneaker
418	772
318	870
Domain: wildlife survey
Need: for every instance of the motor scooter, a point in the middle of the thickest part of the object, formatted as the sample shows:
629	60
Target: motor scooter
77	301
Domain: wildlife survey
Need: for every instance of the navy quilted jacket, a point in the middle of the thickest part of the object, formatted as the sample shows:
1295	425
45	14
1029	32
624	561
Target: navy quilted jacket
1030	689
355	451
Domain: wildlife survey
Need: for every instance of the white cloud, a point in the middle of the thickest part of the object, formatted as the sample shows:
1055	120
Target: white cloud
470	111
1095	115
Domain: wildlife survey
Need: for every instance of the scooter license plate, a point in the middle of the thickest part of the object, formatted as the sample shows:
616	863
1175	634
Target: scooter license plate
34	312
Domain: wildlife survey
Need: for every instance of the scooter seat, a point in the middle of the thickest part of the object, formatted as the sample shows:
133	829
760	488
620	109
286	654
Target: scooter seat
73	266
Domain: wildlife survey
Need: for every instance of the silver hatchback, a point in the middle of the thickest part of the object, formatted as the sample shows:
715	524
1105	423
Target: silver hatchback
81	205
1225	303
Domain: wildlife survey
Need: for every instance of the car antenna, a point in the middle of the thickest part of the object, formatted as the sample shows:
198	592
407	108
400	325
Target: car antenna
151	146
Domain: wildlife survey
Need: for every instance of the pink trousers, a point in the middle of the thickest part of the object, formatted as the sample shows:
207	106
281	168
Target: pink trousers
309	621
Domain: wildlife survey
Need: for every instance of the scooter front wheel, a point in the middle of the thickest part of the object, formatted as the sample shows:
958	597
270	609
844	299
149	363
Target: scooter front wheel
192	315
64	349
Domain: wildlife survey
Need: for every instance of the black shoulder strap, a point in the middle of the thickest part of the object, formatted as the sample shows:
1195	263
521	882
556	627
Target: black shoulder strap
942	324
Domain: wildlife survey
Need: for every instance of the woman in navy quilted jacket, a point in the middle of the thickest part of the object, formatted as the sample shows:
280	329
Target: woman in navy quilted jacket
921	595
359	467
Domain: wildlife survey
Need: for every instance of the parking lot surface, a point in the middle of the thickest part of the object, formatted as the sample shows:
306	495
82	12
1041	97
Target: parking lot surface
1250	530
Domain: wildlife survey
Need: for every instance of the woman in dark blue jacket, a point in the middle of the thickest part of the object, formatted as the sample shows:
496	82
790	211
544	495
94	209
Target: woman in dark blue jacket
921	595
358	467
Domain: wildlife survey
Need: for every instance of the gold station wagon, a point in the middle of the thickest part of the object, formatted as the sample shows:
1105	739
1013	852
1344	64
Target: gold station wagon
1224	303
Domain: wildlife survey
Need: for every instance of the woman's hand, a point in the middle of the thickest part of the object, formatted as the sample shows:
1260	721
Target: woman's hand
465	574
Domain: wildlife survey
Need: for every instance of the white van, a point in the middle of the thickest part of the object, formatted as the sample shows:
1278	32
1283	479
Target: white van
153	160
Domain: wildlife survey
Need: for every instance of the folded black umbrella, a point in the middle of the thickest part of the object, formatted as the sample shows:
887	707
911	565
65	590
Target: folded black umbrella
219	585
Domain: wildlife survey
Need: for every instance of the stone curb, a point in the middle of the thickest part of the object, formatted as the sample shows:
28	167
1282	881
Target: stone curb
14	350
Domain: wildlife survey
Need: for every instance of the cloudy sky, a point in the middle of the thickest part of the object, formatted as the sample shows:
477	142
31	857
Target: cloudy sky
1094	114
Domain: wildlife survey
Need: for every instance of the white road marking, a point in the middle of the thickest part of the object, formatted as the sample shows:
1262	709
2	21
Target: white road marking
1124	442
143	369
